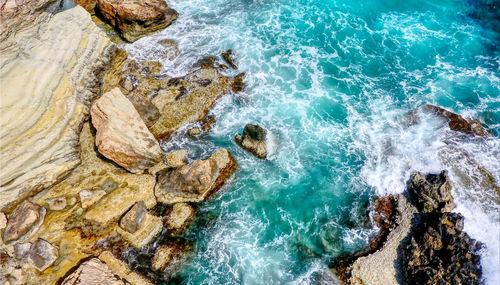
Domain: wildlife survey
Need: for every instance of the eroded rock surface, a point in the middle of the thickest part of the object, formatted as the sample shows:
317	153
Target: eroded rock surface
253	140
24	221
431	192
121	135
195	182
179	217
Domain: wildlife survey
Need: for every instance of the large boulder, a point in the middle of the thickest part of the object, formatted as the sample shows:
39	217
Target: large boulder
59	60
253	140
135	19
122	135
24	221
431	192
195	182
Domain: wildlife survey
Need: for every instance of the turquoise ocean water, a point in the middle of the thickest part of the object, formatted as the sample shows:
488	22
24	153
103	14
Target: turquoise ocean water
333	81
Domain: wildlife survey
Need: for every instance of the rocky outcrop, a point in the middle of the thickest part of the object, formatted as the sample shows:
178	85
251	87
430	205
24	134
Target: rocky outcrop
253	140
187	99
92	272
458	123
421	242
58	62
133	19
24	221
132	220
195	182
122	136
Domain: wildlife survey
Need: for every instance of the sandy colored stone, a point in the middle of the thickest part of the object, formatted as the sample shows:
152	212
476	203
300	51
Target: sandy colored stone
132	220
163	256
121	269
151	227
24	221
122	135
3	221
89	198
57	204
58	62
187	99
92	272
195	182
179	218
194	131
177	158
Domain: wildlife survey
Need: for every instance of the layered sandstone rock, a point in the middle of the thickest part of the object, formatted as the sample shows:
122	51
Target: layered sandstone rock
122	135
195	182
58	63
179	217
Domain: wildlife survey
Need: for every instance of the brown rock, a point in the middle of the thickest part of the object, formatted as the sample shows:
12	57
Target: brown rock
88	5
92	272
195	182
147	110
227	55
253	140
122	135
181	215
150	228
132	220
238	84
24	221
165	255
194	131
458	123
43	254
135	19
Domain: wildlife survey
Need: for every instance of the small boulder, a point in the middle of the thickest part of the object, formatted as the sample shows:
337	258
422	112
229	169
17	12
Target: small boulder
132	220
458	123
177	159
194	131
195	182
122	135
228	57
92	272
43	254
22	250
136	19
431	192
238	83
24	221
181	215
253	140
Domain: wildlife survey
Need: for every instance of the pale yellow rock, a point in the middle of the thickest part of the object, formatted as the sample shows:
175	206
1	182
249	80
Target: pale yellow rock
163	256
89	198
151	227
121	269
181	215
49	75
3	221
177	158
122	135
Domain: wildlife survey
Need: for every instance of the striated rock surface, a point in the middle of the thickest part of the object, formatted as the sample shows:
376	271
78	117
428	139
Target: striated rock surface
92	272
195	182
253	140
458	123
135	19
122	136
187	99
59	62
24	221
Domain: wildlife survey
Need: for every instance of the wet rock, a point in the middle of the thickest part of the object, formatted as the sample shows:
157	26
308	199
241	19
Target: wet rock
458	123
195	182
57	204
122	135
431	192
194	131
441	253
179	217
165	255
207	62
146	109
227	55
171	49
88	5
136	19
24	221
92	272
121	269
177	159
253	140
43	254
207	123
132	220
238	84
89	198
3	221
186	100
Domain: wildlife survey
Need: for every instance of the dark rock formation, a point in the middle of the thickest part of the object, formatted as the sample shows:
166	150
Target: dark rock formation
431	192
253	140
458	123
228	57
238	83
24	221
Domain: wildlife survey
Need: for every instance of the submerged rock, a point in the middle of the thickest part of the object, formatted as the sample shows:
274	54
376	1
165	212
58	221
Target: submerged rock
195	182
238	84
431	192
24	221
228	57
253	140
194	131
132	220
92	272
458	123
121	135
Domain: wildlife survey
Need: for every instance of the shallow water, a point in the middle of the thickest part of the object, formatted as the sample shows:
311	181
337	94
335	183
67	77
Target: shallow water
333	82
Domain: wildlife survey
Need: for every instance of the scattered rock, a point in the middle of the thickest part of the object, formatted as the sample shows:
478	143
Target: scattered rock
132	220
441	253
207	123
181	215
177	159
227	55
136	19
57	204
24	221
253	140
238	83
3	221
89	198
458	123
431	192
195	182
194	131
122	135
171	49
43	254
92	272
